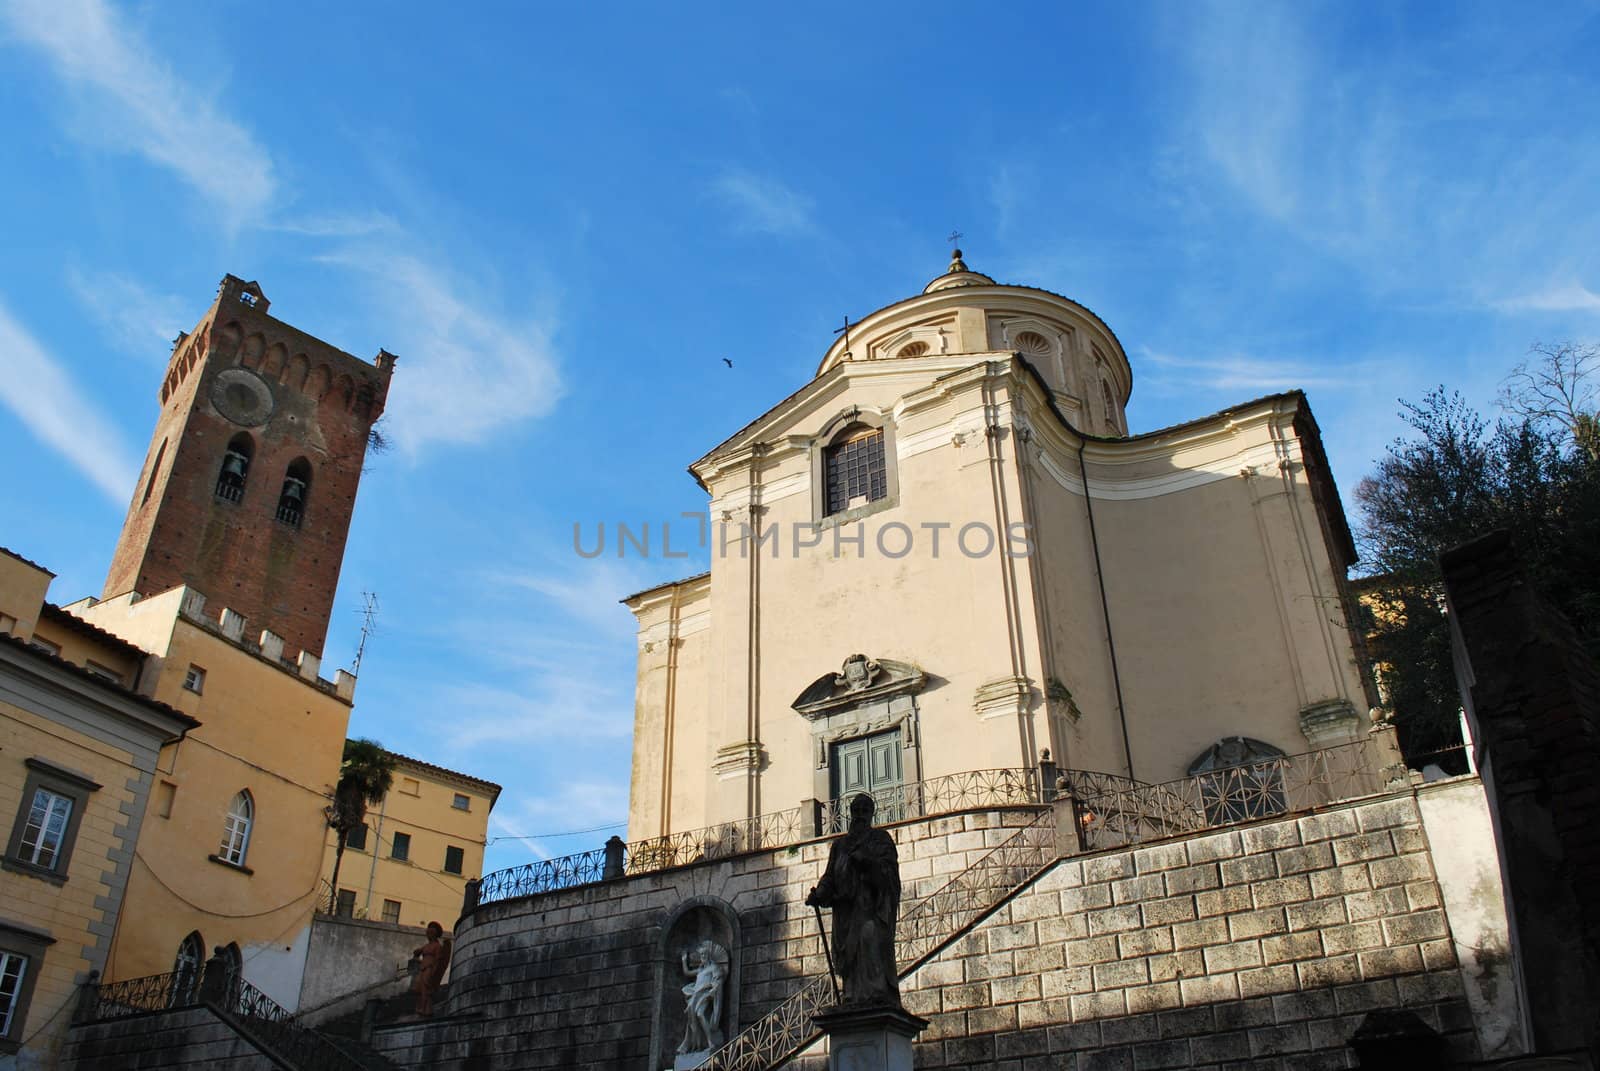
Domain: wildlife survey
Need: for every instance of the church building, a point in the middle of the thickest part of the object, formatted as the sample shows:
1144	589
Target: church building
946	553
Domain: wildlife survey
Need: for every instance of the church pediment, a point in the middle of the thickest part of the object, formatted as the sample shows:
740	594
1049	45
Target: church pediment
860	680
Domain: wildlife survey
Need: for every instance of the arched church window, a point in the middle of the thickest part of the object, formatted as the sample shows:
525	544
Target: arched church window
913	349
292	499
854	468
186	970
236	829
235	467
1239	779
1110	404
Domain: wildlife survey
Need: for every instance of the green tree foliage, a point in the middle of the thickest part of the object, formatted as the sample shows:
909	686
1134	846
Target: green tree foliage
1456	477
365	777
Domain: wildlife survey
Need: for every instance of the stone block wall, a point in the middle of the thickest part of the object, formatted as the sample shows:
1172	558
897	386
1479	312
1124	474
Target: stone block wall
192	1037
1266	944
570	978
1262	946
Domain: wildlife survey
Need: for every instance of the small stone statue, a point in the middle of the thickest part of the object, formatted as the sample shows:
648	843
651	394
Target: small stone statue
862	885
702	1030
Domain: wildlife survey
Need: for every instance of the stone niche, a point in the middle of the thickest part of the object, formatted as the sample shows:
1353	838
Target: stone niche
694	920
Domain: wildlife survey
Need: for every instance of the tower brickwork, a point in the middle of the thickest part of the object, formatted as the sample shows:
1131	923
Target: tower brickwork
248	488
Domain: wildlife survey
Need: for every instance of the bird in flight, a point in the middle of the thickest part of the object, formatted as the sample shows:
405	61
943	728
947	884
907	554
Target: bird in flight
727	362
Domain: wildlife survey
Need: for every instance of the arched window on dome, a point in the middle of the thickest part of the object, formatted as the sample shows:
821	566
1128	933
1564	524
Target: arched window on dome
296	489
235	467
236	828
1110	404
1240	779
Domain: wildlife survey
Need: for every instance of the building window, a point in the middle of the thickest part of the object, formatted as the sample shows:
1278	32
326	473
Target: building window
194	680
39	643
391	911
854	469
47	821
235	468
166	793
461	803
292	499
186	967
453	859
236	829
409	786
150	484
345	907
22	952
357	838
401	847
105	673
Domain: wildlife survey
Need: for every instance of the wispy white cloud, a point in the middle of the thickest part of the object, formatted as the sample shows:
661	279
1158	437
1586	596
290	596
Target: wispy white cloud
466	369
38	390
589	590
135	318
1241	372
339	225
1414	176
129	101
576	816
1566	297
762	203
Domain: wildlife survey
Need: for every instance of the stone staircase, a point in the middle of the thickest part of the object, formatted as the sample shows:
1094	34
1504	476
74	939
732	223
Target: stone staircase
925	929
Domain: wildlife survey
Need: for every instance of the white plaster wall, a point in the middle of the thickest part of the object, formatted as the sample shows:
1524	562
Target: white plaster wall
277	967
1455	815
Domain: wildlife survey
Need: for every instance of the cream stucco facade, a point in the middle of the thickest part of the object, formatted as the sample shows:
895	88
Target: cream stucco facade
1030	577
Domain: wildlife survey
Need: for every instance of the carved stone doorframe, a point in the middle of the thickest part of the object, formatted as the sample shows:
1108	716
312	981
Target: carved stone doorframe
866	696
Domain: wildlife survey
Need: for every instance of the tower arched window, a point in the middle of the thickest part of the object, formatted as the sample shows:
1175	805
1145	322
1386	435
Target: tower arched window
236	829
235	468
854	467
296	488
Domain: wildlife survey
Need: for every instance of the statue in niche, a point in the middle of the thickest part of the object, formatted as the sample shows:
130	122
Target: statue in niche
862	886
702	1030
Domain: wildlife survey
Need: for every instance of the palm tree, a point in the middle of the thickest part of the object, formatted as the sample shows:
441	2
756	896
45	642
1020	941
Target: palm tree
365	776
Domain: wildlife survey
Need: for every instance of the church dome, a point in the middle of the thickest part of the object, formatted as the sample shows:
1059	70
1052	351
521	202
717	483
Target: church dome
958	274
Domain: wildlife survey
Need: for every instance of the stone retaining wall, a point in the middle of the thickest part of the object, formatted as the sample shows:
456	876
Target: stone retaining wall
1262	946
190	1037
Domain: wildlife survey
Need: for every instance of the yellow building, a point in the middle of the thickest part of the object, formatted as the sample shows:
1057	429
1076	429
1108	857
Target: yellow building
410	861
230	854
78	758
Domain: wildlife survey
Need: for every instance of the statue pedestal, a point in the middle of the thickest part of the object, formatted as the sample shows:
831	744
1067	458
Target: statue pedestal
869	1039
686	1060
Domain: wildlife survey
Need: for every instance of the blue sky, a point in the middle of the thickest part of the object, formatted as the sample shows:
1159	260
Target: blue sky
563	218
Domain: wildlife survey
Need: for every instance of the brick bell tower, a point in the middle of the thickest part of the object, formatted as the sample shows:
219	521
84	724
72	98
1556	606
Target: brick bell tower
248	488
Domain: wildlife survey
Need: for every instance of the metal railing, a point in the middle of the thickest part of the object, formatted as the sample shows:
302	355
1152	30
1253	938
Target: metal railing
973	789
1118	816
924	928
245	1008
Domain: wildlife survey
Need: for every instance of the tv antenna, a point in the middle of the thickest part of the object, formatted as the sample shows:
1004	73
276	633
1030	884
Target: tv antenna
369	625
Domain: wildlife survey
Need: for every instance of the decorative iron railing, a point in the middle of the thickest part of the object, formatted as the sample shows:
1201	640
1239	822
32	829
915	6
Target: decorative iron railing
140	996
924	928
1116	816
921	799
245	1007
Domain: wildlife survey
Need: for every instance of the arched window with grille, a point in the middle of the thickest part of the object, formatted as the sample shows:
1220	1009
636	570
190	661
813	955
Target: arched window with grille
236	829
1240	779
296	489
235	467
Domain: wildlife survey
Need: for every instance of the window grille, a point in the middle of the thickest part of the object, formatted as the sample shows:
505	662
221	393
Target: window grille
855	472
